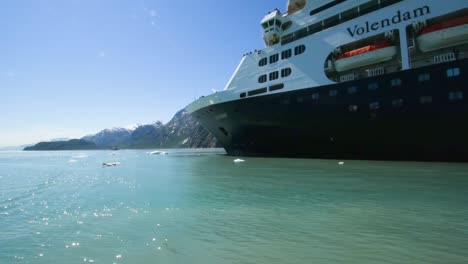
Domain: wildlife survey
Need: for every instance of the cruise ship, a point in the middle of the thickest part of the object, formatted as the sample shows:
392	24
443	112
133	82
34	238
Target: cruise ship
350	79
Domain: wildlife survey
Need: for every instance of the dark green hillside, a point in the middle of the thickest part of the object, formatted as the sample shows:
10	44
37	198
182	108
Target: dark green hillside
74	144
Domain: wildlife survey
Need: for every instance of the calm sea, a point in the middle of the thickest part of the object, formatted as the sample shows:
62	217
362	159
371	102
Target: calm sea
201	207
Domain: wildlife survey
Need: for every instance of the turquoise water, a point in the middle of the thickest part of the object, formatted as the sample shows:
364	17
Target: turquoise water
201	207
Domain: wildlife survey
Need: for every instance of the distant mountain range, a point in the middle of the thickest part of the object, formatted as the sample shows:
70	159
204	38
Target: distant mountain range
182	131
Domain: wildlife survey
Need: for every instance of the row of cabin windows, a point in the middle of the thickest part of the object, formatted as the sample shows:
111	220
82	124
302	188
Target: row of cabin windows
423	77
284	55
342	17
262	90
275	75
451	72
398	103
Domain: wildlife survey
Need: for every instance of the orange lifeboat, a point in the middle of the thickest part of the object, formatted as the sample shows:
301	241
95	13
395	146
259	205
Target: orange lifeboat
364	56
443	35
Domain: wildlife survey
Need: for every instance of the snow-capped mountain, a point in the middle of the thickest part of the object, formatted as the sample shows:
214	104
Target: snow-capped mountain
181	131
110	137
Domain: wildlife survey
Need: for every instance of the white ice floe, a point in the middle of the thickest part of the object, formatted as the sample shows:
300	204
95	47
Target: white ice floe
157	152
239	160
72	161
110	164
341	163
80	156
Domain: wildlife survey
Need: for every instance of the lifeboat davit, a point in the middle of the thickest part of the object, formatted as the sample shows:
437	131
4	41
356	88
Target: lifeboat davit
364	56
443	35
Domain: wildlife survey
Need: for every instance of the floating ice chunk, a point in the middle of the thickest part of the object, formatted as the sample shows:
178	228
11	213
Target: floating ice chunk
110	164
72	161
341	163
239	160
157	152
80	156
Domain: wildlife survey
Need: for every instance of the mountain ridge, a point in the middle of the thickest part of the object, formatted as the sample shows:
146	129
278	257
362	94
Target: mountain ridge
182	131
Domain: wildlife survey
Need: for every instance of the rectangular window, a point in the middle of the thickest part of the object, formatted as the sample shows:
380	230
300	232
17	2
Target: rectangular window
352	90
423	77
273	75
274	58
299	49
301	33
333	93
384	3
315	96
287	39
331	21
368	7
453	72
425	99
397	103
276	87
374	106
286	54
396	82
373	86
314	28
456	96
349	14
326	6
262	78
352	108
278	23
285	72
242	95
258	91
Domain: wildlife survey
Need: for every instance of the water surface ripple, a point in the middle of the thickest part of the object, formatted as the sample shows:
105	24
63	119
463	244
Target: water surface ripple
200	207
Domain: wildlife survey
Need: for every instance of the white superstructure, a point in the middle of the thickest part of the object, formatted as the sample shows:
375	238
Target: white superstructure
308	45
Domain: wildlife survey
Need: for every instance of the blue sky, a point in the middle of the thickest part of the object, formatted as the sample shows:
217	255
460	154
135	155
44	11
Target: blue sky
73	67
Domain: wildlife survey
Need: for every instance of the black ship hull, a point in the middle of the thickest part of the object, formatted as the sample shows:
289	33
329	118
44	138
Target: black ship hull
418	114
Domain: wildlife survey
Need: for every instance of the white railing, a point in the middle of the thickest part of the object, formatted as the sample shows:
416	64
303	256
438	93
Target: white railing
375	72
348	77
444	57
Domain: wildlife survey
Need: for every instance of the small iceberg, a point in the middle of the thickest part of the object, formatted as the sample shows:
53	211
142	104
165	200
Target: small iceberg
341	163
110	164
157	152
239	160
80	156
